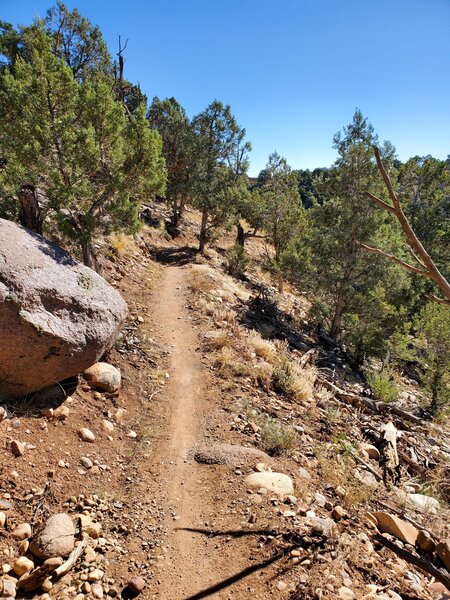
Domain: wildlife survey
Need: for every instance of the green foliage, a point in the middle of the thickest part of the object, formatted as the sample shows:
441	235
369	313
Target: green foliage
169	118
359	297
238	261
382	386
74	140
433	325
220	164
277	438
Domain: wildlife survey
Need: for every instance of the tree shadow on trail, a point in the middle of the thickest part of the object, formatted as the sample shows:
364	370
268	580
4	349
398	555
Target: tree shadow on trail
175	256
293	541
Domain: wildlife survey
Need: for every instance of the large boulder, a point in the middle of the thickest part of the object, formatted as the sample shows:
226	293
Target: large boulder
57	317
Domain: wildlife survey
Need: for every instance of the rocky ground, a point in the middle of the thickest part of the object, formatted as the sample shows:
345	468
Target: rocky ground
229	464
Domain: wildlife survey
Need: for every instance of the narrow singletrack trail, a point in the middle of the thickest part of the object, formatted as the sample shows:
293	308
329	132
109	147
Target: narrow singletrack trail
186	568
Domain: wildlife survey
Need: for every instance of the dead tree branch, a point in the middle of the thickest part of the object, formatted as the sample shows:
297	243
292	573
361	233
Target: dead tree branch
414	245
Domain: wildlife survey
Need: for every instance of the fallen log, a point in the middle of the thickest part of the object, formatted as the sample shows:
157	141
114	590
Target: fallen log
417	561
367	403
389	455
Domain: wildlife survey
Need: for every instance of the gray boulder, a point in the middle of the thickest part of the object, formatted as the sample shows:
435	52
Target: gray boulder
57	317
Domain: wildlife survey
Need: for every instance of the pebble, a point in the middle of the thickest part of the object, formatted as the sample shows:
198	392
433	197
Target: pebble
2	519
108	426
338	513
17	448
23	565
281	586
86	435
136	584
97	590
22	532
86	462
346	593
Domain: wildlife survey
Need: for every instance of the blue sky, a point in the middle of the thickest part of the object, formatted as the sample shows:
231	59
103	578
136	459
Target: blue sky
293	70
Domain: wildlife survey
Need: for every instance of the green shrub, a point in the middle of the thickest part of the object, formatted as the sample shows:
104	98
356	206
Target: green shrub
277	438
238	261
382	386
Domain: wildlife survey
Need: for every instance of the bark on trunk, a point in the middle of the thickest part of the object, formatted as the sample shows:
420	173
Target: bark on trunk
240	236
30	214
338	313
203	232
89	257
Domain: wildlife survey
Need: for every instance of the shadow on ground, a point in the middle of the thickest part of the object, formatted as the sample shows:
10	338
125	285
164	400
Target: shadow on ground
177	256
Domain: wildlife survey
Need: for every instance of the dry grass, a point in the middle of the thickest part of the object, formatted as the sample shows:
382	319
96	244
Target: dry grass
291	380
277	438
122	245
228	363
222	314
261	347
337	468
202	282
216	340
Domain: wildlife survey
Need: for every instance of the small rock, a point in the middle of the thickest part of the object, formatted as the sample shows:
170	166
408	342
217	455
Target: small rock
136	584
103	376
61	413
46	585
302	472
22	532
9	588
132	434
371	451
90	555
108	426
424	503
346	593
320	499
17	448
119	415
86	462
86	435
400	529
2	519
97	590
338	513
425	541
281	586
443	551
291	499
5	504
274	482
56	538
23	565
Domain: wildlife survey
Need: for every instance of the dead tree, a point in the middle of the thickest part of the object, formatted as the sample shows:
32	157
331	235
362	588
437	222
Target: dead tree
426	267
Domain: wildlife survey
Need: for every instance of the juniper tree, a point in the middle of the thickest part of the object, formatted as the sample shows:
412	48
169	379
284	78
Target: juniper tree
220	162
73	140
169	118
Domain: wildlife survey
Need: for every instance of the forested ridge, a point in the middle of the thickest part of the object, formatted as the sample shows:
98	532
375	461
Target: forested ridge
82	151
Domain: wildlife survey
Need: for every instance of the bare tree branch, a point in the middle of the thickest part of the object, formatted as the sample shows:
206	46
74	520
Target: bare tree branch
400	262
414	245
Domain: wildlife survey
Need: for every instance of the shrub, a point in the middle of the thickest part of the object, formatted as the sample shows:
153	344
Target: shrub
291	380
382	386
277	438
238	261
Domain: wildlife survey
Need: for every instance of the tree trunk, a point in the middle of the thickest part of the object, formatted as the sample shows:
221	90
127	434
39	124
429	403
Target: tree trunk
203	231
30	214
338	314
240	236
89	257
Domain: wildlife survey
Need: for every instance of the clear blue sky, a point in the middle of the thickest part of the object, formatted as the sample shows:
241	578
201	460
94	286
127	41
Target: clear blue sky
293	70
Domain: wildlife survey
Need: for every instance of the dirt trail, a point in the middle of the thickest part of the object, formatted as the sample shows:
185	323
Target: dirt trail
185	569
